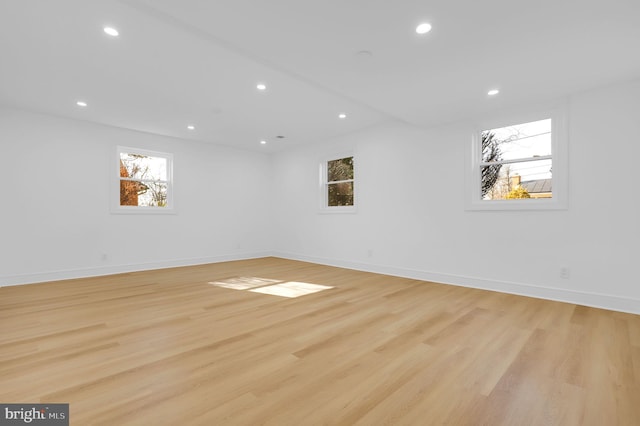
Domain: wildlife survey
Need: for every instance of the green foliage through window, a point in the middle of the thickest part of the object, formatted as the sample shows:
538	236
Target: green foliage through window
340	182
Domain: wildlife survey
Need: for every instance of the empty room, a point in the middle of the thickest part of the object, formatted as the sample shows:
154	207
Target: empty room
285	212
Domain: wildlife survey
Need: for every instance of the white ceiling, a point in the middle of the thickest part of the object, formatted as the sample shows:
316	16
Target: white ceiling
180	62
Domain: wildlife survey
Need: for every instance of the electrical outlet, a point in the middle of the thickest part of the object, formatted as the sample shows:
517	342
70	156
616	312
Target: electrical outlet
369	253
104	257
564	272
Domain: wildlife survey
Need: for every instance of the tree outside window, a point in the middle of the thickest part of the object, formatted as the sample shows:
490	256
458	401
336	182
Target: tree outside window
144	180
340	182
517	162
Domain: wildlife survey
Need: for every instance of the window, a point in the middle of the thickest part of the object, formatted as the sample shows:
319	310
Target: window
144	181
337	182
520	166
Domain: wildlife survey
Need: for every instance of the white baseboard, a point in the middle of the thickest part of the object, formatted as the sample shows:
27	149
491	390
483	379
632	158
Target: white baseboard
596	300
11	280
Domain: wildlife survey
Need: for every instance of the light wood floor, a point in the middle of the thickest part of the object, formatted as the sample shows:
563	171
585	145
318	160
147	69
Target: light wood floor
164	347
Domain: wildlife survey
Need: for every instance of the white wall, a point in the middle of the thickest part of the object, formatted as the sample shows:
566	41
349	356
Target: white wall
411	221
55	219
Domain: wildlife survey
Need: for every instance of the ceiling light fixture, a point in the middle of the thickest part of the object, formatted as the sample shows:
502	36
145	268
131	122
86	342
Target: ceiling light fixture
111	31
493	92
423	28
191	127
342	116
261	86
263	142
81	104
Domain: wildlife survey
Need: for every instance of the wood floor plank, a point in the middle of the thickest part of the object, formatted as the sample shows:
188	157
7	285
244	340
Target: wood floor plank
167	347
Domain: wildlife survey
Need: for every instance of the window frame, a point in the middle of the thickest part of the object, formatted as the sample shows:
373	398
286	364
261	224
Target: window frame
324	185
559	159
116	179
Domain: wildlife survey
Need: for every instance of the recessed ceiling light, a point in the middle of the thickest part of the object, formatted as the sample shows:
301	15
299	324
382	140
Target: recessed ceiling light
423	28
261	86
191	127
263	142
81	104
111	31
342	116
493	92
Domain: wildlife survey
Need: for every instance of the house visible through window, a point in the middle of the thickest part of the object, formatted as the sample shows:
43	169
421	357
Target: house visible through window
339	183
517	162
144	179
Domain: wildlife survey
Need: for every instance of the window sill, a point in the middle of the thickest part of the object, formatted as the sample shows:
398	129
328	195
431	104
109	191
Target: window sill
143	210
338	210
515	205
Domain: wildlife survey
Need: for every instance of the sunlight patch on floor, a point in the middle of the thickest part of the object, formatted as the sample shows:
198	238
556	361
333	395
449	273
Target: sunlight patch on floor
244	283
291	289
269	286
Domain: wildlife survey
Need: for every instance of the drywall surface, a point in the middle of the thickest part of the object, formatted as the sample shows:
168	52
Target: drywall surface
56	219
411	218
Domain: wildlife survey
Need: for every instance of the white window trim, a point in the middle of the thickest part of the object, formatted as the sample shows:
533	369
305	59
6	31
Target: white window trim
323	191
559	151
116	208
